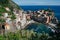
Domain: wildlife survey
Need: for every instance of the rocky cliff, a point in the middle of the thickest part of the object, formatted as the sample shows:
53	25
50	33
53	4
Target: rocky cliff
7	16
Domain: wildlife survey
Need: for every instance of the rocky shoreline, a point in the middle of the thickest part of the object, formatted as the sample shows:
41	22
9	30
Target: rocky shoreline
13	18
23	18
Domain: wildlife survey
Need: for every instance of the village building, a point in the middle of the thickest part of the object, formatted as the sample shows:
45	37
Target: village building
7	8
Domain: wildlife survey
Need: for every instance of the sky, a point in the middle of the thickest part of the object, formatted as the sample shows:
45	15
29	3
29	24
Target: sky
37	2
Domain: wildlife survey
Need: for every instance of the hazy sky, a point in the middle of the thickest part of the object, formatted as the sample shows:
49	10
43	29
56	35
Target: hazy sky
37	2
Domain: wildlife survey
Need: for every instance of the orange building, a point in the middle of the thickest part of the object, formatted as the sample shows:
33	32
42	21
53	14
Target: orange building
7	26
48	19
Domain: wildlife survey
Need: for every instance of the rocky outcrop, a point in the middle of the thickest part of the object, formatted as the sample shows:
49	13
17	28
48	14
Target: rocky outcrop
7	14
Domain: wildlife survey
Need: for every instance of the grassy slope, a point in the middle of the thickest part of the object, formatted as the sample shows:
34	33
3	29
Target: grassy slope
9	4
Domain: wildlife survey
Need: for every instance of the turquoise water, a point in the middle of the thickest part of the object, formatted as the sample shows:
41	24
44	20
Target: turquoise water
39	28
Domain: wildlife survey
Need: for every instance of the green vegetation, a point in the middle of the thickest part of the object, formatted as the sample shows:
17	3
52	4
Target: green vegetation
13	17
22	34
9	3
2	20
26	35
2	10
3	2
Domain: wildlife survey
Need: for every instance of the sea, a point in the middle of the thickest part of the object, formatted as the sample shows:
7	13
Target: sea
56	9
41	27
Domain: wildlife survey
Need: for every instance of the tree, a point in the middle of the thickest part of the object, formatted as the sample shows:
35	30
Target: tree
4	2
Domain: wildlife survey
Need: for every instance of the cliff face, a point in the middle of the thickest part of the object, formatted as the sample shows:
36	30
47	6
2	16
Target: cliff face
9	3
7	14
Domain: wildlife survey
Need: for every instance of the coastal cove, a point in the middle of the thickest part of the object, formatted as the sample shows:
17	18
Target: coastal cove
39	28
56	9
29	22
